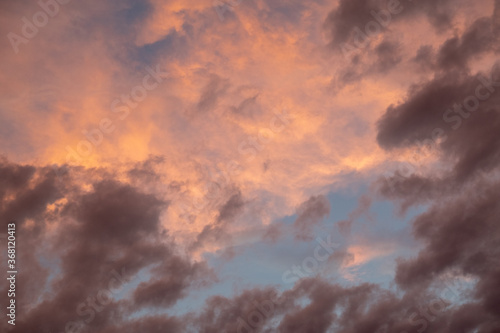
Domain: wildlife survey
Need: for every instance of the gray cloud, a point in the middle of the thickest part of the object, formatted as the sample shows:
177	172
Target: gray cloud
310	213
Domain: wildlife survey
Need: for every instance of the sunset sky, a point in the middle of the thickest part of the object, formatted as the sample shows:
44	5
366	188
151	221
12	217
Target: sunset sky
251	165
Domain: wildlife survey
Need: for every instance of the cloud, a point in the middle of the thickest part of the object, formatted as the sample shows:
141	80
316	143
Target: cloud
388	54
477	39
158	324
457	229
314	305
363	208
211	93
349	15
215	232
465	226
120	210
447	115
309	214
108	227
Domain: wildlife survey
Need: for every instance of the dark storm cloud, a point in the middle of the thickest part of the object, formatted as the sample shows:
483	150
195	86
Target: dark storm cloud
462	233
425	57
114	227
87	256
171	281
351	14
25	193
112	213
317	306
13	176
383	58
456	115
458	51
318	315
348	15
496	17
221	314
31	193
415	119
449	114
158	324
310	213
461	237
413	189
350	27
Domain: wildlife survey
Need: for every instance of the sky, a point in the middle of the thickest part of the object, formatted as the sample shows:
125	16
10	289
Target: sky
251	165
